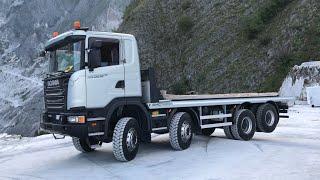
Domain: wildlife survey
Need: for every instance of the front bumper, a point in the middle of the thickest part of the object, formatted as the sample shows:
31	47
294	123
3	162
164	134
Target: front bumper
74	130
57	123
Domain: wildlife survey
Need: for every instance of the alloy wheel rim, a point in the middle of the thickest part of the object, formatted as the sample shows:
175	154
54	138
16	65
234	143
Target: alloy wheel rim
270	117
132	139
186	131
246	125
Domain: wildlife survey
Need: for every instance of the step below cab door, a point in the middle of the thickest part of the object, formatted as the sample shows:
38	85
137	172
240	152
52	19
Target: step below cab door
105	72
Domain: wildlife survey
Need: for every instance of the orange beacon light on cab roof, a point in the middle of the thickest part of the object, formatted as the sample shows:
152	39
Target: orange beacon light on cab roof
55	34
77	25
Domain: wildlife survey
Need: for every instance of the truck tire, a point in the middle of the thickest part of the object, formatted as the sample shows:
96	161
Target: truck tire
180	131
244	125
257	128
207	131
267	118
126	139
227	132
82	145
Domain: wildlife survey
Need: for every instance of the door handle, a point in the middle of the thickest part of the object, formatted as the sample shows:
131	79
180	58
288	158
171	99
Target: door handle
120	84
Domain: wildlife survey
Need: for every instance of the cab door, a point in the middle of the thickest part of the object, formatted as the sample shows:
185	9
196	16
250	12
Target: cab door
105	81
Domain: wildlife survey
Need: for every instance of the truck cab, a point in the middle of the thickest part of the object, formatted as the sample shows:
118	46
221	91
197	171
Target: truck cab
95	64
93	77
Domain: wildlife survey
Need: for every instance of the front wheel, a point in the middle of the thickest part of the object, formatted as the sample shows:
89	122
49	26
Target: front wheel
82	144
180	131
126	139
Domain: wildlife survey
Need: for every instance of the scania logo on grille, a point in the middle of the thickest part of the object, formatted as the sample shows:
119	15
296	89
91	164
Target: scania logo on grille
53	83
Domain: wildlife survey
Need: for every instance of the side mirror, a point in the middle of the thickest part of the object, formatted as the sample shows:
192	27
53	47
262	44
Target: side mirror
94	57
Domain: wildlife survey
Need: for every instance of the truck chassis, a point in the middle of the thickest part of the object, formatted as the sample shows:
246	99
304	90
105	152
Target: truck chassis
132	122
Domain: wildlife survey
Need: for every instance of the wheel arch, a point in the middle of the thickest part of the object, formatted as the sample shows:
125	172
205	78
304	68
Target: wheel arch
253	107
194	116
140	114
245	105
274	104
121	107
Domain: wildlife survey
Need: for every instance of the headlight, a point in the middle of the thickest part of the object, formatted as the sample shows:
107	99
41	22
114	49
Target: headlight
76	119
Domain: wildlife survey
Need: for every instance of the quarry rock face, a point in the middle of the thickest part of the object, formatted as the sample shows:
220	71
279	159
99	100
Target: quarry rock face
299	78
25	26
219	46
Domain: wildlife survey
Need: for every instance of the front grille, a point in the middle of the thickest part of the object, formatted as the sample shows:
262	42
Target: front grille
55	94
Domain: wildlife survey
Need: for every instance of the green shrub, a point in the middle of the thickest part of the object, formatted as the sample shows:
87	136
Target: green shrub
265	40
185	23
181	87
312	43
254	24
186	4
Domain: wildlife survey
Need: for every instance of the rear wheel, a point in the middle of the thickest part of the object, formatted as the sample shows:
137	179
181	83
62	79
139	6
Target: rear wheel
227	132
267	118
83	144
126	139
180	131
208	131
244	125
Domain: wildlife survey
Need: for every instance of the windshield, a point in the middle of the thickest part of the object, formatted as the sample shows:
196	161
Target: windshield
66	58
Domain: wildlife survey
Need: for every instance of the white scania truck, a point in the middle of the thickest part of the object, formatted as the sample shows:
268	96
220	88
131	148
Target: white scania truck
96	92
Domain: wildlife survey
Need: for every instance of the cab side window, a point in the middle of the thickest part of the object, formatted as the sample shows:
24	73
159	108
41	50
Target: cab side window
109	54
109	50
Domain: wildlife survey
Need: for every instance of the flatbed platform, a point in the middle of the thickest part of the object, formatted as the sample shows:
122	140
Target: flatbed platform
179	101
174	97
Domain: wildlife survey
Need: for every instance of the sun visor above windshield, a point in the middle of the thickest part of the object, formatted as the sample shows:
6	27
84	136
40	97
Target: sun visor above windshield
63	41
